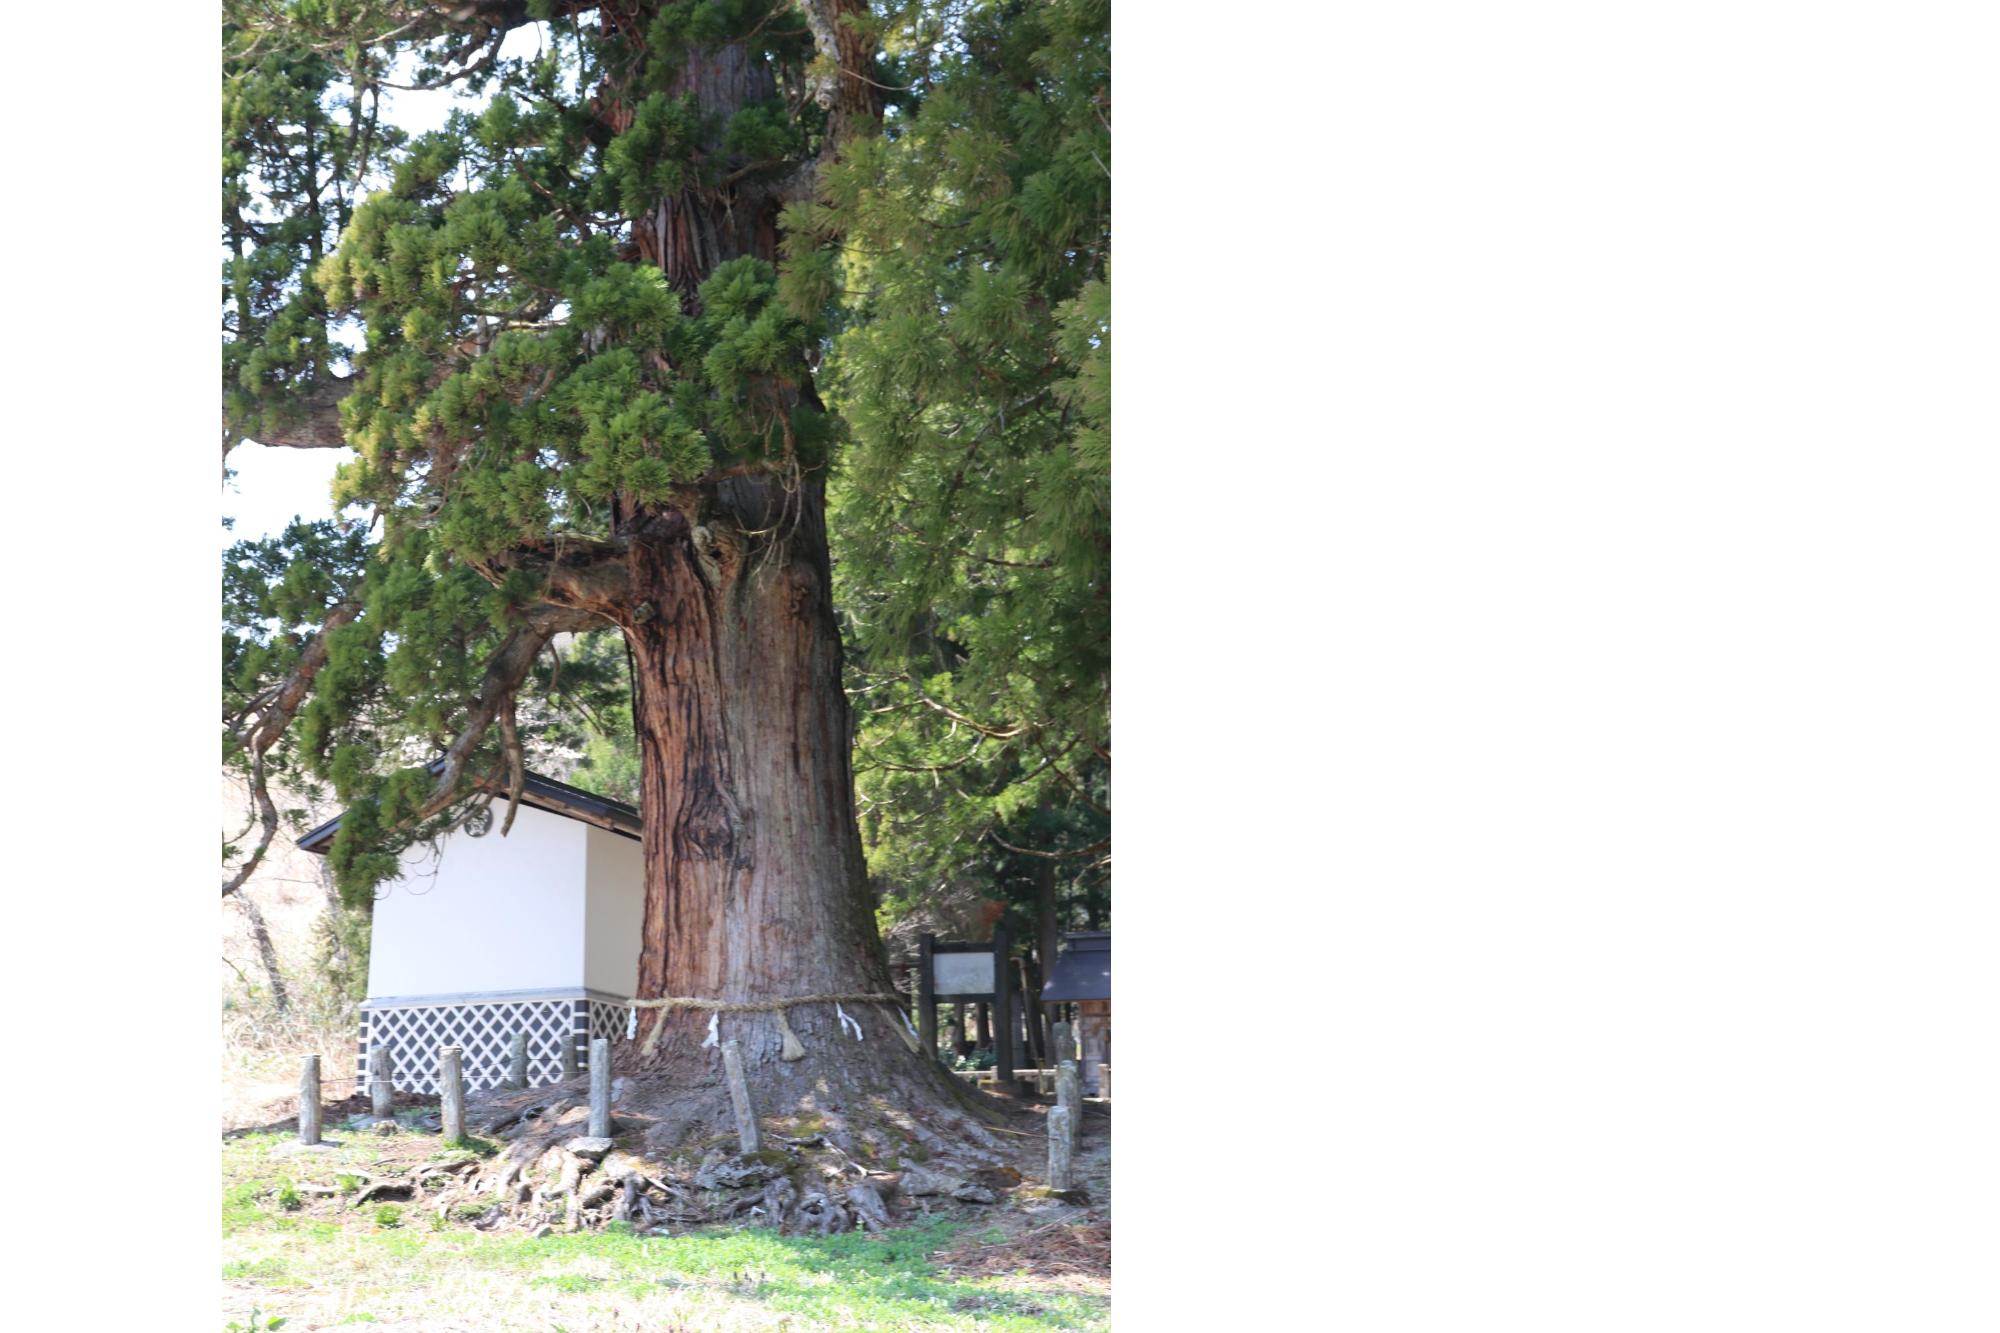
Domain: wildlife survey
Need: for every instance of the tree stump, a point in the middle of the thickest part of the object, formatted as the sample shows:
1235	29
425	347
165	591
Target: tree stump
1062	1147
309	1100
451	1093
600	1088
381	1083
739	1097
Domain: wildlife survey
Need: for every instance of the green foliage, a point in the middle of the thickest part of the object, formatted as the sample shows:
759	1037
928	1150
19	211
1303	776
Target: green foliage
707	1279
650	160
609	763
516	375
970	248
340	949
389	1216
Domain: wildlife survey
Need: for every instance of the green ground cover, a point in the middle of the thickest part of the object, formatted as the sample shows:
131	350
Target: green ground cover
321	1264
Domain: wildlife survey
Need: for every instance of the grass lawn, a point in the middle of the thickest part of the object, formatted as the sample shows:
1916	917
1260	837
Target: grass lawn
322	1265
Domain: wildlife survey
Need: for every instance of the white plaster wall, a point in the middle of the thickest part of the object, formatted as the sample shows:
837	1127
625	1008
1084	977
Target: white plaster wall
485	914
616	906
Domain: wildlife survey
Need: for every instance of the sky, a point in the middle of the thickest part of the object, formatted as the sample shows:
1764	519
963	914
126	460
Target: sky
273	486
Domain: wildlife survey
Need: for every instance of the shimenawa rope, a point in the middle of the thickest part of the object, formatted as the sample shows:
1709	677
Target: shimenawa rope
793	1047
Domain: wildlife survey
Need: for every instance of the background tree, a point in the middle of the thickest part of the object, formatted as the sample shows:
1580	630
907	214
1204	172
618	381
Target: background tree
583	391
972	518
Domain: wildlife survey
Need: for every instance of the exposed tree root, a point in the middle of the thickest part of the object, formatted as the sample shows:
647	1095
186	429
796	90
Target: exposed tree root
837	1155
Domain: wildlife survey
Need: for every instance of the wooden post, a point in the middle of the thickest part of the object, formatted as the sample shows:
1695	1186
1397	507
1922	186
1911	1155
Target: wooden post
381	1082
1069	1097
982	1028
600	1088
927	995
309	1099
451	1093
517	1062
739	1096
1062	1145
1003	1017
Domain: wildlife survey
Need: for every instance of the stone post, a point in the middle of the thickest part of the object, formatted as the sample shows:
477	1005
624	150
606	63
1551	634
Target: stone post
451	1093
517	1062
1062	1144
739	1096
309	1100
1069	1097
381	1082
600	1088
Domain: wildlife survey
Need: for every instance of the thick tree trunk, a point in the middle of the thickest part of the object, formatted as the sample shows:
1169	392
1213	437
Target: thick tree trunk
755	882
756	887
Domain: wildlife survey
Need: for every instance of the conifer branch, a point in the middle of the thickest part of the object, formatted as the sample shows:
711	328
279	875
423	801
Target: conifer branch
577	573
997	733
1077	788
268	722
1092	850
517	765
314	420
505	671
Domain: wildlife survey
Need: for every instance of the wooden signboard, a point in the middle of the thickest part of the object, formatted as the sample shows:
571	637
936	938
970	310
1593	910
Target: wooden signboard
968	972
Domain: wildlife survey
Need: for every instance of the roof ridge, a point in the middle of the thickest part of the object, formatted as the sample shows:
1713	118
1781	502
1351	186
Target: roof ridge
552	790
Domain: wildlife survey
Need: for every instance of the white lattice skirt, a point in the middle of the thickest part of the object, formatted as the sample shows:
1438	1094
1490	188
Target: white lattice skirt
558	1024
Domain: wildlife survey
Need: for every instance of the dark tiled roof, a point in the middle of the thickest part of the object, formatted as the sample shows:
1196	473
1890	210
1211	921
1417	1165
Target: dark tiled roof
1083	968
542	793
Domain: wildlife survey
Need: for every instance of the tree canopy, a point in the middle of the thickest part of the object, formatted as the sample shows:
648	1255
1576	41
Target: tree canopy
513	322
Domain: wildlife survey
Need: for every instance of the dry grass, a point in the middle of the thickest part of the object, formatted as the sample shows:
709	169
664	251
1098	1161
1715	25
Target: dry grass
260	1046
1066	1249
261	1050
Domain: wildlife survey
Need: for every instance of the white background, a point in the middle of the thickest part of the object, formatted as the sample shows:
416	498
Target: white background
1555	600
